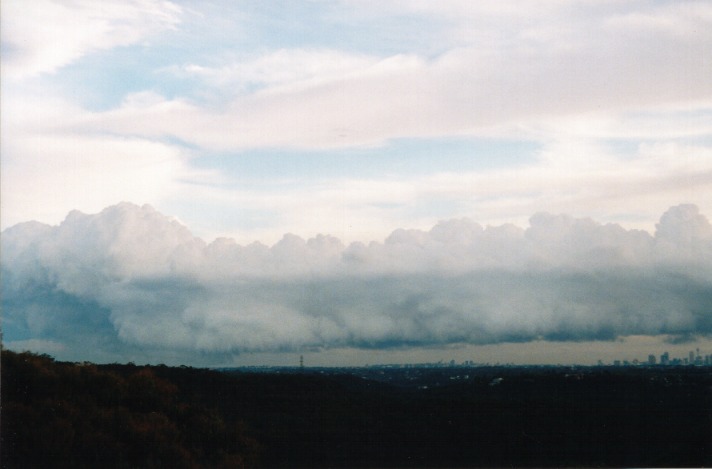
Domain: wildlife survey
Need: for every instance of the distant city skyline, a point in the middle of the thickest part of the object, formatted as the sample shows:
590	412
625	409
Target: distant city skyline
542	353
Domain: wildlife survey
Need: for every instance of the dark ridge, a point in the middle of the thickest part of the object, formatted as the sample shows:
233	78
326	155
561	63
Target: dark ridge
58	414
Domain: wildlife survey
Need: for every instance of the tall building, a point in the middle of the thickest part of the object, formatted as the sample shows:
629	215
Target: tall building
665	359
651	359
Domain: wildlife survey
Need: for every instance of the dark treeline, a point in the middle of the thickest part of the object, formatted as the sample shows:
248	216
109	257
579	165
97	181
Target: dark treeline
69	415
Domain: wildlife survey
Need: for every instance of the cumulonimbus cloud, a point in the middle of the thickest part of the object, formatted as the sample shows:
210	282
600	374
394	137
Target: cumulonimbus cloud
132	278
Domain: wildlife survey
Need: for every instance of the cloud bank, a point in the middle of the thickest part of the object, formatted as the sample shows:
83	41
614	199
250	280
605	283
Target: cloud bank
130	279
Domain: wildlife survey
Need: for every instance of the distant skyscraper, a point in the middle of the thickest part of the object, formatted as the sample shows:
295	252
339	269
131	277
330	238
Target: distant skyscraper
665	359
651	359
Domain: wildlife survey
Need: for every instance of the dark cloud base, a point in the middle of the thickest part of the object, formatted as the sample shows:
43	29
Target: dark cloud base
130	283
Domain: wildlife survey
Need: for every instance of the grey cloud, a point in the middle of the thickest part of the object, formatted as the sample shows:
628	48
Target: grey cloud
129	281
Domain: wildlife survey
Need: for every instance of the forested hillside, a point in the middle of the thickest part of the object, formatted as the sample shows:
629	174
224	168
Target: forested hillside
70	415
58	414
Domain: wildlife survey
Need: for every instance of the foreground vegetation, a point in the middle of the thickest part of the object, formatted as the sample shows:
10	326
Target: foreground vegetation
58	414
69	415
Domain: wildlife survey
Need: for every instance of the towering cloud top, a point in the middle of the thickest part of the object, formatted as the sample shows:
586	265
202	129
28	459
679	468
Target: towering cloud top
129	278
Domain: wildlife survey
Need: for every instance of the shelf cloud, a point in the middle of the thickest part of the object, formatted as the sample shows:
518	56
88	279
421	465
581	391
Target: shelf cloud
130	280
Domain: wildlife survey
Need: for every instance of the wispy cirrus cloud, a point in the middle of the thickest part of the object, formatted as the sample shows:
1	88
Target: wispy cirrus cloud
44	35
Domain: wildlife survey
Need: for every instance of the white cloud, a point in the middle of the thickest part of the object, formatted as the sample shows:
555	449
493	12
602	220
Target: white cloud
511	70
47	168
44	35
352	99
53	161
43	175
683	20
579	176
144	281
290	67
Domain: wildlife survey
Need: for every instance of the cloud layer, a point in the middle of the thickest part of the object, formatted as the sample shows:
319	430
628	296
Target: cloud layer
130	279
70	31
496	68
168	102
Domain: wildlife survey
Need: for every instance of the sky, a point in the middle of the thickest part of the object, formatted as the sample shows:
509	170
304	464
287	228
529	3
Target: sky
244	182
